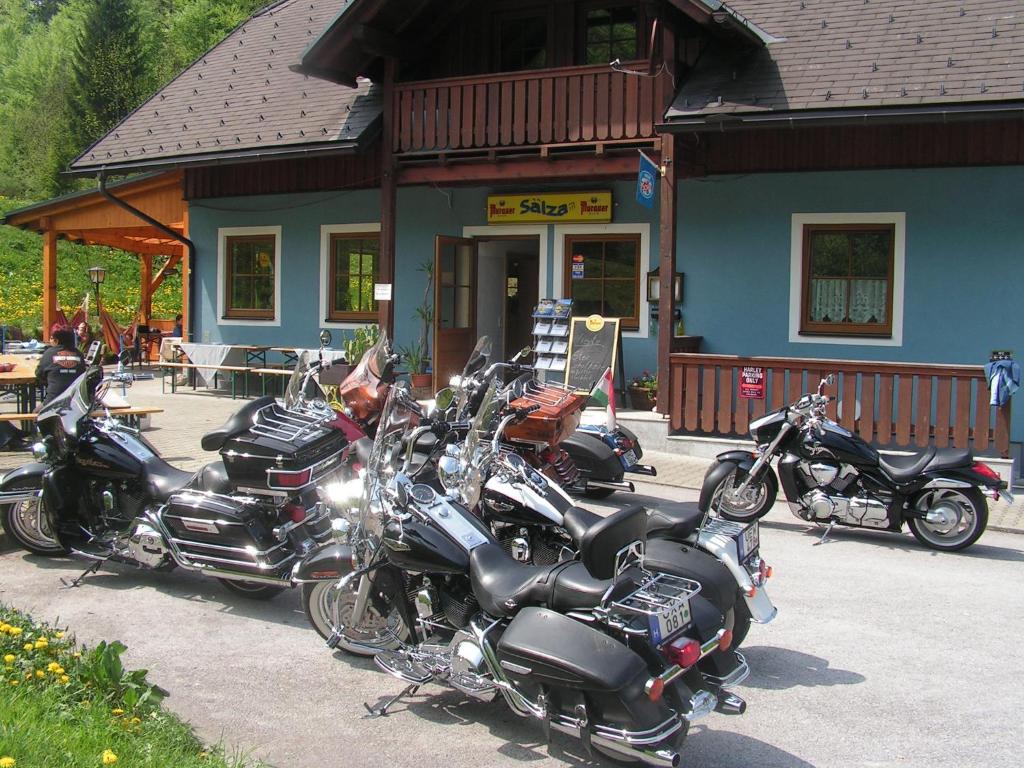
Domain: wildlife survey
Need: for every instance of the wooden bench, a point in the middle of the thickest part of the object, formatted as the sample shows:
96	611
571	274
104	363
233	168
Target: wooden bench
133	414
234	370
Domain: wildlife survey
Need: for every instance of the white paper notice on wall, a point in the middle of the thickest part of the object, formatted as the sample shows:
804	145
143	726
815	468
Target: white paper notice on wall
382	291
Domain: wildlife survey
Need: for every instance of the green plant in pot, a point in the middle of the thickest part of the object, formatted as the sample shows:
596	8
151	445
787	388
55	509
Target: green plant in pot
643	391
416	361
417	355
362	339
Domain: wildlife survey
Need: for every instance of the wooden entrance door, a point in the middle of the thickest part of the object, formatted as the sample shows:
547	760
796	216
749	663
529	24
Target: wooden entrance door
454	306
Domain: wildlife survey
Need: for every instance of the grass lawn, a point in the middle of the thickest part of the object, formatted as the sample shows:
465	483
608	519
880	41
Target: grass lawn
69	707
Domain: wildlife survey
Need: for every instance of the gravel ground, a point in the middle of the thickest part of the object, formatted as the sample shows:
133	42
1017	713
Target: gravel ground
884	653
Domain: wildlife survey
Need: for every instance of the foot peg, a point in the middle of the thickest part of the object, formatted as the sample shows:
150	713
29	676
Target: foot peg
730	704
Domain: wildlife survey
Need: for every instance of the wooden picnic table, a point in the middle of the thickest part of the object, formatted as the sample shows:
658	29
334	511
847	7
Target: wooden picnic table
21	380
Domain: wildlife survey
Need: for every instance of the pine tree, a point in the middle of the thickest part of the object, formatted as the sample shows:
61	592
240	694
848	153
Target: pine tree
110	67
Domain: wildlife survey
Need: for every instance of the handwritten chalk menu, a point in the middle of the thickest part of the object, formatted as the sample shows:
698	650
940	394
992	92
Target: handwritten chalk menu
593	347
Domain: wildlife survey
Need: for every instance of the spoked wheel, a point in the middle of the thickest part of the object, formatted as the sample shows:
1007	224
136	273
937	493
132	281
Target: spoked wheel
27	523
329	610
754	502
954	518
253	590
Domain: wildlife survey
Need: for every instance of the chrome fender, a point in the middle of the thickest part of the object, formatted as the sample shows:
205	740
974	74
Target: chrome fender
724	547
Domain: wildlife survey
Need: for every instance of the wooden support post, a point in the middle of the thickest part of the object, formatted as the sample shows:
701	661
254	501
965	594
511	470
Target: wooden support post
145	289
388	200
186	269
49	280
666	269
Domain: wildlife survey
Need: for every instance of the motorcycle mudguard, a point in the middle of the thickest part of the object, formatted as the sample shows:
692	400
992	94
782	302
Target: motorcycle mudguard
717	583
326	563
593	457
25	478
727	462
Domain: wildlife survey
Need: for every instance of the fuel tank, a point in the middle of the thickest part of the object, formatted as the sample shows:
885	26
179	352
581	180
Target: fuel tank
840	443
113	454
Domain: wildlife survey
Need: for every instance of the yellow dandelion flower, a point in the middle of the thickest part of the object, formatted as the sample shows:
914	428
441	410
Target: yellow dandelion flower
41	644
15	682
109	758
14	631
40	674
7	762
4	627
53	666
28	675
135	721
27	647
77	654
9	658
117	711
59	635
65	679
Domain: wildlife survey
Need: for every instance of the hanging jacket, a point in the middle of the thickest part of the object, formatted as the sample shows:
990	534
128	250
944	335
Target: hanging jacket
1003	378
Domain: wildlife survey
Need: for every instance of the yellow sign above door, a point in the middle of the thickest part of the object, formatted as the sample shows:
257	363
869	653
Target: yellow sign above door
556	207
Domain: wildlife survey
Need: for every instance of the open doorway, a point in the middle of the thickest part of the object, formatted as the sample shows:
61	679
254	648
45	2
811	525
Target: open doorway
507	291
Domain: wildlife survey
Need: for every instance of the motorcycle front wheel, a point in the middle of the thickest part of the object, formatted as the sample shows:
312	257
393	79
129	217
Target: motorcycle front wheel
27	524
329	609
755	501
960	516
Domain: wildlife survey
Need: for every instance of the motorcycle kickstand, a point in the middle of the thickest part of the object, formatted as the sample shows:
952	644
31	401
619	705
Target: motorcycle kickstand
382	710
824	536
77	581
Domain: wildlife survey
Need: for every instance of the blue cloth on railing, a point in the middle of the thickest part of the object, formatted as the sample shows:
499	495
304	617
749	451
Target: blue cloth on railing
1003	378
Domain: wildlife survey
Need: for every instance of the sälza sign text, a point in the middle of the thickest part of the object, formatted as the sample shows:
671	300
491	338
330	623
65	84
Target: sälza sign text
595	207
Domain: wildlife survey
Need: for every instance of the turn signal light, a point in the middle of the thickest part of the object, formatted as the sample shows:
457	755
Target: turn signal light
655	687
725	640
751	592
765	571
685	652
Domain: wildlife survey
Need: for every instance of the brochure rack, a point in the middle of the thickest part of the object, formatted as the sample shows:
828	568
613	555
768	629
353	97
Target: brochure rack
551	319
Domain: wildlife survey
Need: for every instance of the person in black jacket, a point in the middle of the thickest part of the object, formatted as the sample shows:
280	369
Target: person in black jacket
61	364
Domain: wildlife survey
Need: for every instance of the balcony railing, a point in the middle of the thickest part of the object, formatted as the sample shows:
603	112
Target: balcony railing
888	404
523	109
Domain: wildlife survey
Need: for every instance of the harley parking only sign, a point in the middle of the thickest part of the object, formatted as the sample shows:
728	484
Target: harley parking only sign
752	382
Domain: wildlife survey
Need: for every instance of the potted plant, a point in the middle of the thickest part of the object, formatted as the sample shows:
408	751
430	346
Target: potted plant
416	359
362	339
643	391
425	313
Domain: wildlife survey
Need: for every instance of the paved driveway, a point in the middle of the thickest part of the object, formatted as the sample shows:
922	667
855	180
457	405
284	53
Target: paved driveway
883	653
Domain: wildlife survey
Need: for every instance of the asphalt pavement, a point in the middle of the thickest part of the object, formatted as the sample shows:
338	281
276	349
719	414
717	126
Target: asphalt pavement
883	654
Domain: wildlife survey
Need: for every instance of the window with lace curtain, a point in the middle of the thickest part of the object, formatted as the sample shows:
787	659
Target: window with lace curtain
848	279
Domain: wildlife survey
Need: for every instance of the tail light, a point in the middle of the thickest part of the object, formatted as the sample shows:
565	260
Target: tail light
625	443
654	688
725	641
685	652
751	592
294	512
280	479
986	471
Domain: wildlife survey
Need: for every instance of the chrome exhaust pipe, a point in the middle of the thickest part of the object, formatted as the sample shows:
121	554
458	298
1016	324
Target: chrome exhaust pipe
730	704
643	469
611	485
217	573
663	758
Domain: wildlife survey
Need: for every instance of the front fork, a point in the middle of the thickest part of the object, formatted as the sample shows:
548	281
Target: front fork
762	461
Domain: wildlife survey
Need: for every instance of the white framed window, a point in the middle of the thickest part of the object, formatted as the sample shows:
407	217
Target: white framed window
249	276
346	253
568	233
847	278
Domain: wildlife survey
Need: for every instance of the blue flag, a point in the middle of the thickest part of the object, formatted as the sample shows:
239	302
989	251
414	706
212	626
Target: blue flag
646	181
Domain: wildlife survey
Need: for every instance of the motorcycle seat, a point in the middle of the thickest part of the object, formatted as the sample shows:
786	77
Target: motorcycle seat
674	522
160	479
240	421
903	468
213	478
600	538
503	586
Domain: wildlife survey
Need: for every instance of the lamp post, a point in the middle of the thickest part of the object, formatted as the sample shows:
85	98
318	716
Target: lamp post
97	275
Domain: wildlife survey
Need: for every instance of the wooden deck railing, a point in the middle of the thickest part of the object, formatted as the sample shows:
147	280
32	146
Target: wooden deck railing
888	404
540	107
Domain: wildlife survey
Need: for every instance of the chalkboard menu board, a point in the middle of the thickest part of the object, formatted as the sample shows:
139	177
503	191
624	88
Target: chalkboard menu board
593	347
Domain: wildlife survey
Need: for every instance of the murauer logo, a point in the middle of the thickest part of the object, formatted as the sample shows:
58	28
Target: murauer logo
501	209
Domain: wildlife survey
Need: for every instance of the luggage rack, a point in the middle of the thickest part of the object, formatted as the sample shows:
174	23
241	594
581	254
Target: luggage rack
546	394
658	593
288	425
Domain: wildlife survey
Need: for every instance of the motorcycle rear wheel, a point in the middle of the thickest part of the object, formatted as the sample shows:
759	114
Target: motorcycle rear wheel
740	622
327	608
756	501
950	535
251	589
27	524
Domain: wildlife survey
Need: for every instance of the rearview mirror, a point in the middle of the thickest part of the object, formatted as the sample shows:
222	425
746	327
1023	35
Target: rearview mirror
524	352
830	380
444	398
325	338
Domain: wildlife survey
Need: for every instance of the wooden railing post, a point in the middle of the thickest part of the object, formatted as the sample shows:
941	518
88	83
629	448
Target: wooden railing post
1003	429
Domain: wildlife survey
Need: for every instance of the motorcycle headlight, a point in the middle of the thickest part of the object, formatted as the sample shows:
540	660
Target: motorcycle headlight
40	450
448	472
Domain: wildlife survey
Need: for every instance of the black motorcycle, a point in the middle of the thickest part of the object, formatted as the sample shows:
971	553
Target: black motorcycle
598	648
101	491
831	476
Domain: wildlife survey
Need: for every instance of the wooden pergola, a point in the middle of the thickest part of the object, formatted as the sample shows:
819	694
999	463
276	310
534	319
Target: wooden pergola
91	218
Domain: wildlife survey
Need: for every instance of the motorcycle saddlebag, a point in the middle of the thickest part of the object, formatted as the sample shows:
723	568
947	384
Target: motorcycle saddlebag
544	649
229	532
283	451
717	583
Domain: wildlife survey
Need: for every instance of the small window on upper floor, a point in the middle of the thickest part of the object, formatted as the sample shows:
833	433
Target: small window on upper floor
522	42
611	32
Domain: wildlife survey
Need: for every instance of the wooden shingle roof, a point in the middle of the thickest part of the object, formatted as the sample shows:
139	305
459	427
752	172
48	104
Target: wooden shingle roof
240	99
862	54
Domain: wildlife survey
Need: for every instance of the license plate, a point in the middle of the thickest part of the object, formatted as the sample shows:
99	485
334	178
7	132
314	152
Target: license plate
670	622
749	541
629	458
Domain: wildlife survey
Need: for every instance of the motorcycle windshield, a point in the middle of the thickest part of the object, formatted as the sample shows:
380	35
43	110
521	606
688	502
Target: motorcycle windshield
370	369
476	450
73	404
477	361
395	423
293	392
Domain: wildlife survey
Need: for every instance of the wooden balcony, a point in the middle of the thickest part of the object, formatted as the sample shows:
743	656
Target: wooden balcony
527	109
887	404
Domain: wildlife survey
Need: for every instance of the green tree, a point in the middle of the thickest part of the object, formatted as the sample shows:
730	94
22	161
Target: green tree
110	66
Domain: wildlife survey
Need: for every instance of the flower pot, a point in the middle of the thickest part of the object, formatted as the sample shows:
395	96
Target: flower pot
421	380
642	399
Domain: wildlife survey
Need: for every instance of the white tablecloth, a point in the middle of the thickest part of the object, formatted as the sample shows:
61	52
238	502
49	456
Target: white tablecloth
213	355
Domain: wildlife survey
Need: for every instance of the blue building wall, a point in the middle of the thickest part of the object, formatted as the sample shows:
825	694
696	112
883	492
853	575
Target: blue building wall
964	261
